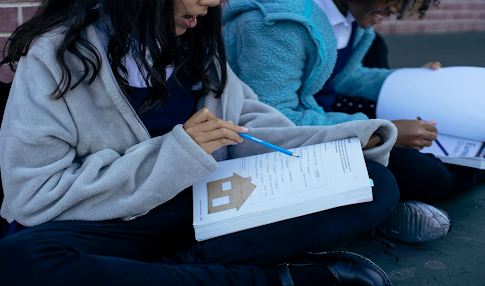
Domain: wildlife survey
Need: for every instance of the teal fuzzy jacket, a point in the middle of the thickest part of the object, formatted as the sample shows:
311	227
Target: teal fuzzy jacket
285	50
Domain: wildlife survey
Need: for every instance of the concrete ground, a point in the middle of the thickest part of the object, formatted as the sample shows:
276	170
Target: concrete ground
459	257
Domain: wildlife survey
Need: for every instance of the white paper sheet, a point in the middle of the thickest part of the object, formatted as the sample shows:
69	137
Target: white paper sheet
453	96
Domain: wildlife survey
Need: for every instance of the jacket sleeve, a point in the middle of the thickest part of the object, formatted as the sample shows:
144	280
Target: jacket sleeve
45	177
272	59
267	123
357	80
361	81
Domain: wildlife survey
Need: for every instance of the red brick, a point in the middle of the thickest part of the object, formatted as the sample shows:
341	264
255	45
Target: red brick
476	5
463	15
8	19
438	26
392	29
434	8
421	27
414	17
428	29
386	20
454	6
455	26
413	28
479	26
28	13
436	15
3	40
405	28
382	29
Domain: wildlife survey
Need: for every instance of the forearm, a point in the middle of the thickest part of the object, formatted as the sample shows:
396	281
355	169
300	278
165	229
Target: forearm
361	81
105	185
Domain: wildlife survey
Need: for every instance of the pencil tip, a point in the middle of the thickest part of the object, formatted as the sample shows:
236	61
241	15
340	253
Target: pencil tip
294	155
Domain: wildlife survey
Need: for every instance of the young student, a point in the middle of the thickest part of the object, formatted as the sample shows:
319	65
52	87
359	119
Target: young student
117	108
299	55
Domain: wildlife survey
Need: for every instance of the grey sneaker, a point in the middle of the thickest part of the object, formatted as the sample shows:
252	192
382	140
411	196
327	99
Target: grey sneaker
415	222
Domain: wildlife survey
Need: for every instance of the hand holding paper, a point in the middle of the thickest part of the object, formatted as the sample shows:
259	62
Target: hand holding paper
453	96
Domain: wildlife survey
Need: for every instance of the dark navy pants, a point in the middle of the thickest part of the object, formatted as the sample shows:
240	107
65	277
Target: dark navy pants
159	248
425	178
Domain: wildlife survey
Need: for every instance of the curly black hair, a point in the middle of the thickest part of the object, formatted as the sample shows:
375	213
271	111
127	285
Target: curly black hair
410	7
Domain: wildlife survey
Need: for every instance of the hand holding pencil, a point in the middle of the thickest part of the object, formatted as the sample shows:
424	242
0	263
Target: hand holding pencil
415	134
438	142
212	133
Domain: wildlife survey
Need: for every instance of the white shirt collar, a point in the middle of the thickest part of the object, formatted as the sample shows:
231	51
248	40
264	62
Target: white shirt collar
342	26
135	76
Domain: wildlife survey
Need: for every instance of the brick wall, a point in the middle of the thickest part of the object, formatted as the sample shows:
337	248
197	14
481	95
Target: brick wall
450	16
12	13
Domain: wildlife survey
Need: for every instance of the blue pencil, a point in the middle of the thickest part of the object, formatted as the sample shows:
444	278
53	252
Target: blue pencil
438	143
274	147
441	147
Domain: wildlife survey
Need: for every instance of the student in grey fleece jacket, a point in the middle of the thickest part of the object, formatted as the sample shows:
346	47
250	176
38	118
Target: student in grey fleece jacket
298	55
104	200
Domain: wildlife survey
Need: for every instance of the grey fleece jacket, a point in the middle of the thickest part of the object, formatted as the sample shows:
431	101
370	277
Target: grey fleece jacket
88	156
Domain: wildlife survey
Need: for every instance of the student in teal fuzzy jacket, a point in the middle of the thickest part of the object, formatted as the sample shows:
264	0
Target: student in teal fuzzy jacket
289	63
299	55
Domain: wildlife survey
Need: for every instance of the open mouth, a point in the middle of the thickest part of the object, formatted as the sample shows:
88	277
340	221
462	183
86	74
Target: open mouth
377	15
190	21
190	17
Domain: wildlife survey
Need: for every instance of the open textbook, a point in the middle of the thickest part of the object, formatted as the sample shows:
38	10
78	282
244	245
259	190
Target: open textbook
461	151
257	190
453	96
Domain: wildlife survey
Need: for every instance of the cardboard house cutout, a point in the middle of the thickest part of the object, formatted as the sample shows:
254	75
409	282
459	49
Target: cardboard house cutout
241	189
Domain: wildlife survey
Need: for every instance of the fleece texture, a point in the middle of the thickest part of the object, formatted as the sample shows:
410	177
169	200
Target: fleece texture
285	50
89	157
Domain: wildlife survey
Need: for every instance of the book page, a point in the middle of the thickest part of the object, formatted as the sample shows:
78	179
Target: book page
453	96
280	180
456	147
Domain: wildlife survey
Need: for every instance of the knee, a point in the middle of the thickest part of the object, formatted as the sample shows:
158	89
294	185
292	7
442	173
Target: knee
412	167
385	191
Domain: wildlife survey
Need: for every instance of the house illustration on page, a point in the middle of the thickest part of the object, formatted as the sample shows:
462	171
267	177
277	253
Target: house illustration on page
236	188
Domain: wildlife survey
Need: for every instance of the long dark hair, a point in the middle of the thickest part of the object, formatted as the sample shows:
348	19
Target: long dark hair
144	27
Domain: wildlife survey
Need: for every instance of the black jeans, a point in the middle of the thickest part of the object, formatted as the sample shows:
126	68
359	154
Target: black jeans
425	178
159	248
